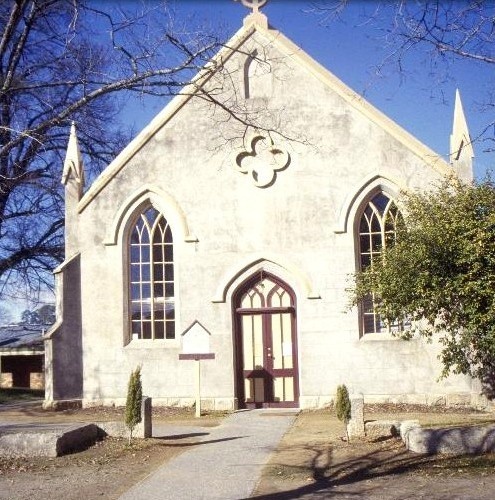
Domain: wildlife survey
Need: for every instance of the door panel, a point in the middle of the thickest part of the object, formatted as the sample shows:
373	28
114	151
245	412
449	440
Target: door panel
282	340
266	344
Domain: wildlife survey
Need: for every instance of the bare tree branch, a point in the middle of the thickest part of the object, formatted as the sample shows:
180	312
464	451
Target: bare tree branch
446	30
57	65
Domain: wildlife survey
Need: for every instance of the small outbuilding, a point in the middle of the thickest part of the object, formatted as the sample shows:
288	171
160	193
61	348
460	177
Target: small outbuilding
22	356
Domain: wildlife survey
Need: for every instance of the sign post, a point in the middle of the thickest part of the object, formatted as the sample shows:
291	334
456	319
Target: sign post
196	346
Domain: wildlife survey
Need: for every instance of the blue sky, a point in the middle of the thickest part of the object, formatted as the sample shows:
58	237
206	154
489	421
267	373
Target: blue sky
419	99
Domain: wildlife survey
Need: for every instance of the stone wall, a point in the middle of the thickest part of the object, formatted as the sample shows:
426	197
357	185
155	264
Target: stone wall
6	380
142	430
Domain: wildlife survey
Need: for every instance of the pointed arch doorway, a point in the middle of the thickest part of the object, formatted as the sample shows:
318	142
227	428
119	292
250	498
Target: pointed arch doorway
265	343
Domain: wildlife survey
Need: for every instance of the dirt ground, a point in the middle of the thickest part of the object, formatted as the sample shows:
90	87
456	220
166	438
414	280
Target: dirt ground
105	470
312	461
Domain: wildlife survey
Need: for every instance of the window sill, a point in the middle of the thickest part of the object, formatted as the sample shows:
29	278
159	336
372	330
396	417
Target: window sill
373	337
153	344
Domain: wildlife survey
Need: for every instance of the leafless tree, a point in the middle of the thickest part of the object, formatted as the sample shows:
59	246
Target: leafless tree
447	30
5	316
64	60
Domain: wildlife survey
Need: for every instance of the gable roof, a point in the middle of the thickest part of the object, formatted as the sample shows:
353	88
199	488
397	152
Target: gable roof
252	24
18	337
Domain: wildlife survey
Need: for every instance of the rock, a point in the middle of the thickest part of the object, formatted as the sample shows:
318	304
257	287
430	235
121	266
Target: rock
45	440
457	440
382	428
355	427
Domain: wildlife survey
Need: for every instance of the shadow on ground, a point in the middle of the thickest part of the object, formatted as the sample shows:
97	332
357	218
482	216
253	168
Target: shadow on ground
183	436
198	443
329	472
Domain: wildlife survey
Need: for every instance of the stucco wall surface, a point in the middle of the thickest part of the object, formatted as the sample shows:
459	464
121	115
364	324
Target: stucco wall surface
300	228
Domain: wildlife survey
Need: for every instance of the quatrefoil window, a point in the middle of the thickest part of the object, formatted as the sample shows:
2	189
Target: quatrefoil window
263	161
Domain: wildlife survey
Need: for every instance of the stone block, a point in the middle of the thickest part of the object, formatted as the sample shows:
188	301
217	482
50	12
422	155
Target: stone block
326	402
178	402
459	399
45	440
224	404
63	404
91	403
480	401
355	427
37	380
146	430
6	380
376	399
405	427
308	402
118	428
207	404
382	428
436	400
458	440
414	399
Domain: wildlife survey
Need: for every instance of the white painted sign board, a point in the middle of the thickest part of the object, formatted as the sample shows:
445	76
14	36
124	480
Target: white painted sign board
196	345
196	340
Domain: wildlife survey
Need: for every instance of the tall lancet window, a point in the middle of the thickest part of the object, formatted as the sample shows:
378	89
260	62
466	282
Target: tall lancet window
151	271
378	226
257	77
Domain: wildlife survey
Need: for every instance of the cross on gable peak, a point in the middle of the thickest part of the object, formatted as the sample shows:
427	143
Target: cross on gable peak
254	5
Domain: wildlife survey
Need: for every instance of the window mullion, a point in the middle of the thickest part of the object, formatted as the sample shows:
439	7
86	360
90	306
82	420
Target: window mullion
149	281
373	234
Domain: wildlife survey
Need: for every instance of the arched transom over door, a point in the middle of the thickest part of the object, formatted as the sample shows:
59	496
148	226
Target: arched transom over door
266	344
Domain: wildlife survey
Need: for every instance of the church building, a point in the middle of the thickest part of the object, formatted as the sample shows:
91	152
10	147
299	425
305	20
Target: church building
231	226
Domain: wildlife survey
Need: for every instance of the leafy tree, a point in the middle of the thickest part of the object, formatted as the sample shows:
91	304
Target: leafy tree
29	317
44	315
444	31
133	401
440	276
343	407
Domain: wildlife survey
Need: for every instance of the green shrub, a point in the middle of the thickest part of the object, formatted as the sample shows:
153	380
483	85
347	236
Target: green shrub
343	406
133	401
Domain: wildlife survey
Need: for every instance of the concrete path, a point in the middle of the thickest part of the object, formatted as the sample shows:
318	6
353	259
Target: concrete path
226	464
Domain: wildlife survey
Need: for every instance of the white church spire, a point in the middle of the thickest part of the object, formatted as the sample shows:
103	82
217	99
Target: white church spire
73	180
461	147
73	164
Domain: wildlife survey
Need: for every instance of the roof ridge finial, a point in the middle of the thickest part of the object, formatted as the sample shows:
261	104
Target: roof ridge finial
256	16
73	164
255	5
461	146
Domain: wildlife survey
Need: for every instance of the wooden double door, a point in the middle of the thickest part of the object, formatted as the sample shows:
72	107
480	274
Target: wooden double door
265	340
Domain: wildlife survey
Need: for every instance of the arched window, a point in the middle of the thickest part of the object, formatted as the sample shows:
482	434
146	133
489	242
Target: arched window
151	276
377	230
257	77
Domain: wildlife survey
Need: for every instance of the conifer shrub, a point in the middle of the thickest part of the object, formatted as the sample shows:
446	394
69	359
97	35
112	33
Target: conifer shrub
343	407
133	401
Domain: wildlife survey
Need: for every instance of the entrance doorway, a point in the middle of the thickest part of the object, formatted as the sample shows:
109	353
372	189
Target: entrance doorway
265	340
